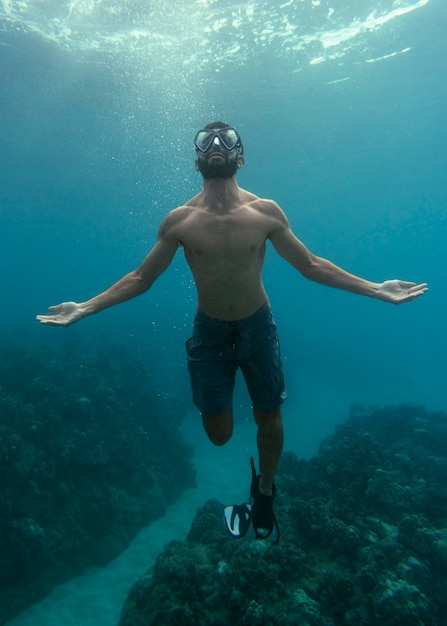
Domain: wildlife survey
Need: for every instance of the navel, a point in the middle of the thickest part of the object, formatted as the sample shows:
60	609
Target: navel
253	247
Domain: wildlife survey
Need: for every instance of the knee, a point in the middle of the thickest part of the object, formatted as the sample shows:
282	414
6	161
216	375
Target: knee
266	418
219	439
219	428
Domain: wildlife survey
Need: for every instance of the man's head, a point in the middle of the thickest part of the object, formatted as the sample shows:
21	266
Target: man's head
219	151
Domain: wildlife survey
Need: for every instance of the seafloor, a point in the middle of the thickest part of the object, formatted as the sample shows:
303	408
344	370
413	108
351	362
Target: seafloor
89	454
364	539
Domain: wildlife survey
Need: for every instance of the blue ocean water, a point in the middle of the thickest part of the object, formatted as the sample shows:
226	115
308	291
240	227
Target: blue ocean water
341	106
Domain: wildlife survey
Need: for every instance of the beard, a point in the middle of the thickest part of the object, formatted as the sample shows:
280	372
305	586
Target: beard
217	170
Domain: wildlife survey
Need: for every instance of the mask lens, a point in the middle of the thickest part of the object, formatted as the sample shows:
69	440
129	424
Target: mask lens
229	137
204	139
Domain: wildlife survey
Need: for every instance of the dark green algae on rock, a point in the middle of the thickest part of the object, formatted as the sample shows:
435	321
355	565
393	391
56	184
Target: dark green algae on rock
89	454
212	579
363	539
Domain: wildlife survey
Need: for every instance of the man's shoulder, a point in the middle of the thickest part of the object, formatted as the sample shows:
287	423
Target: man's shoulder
267	207
256	202
175	218
183	211
270	215
265	204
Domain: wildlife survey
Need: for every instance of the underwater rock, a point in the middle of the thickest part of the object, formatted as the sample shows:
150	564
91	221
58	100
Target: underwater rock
413	571
440	550
363	540
222	582
86	461
384	489
401	603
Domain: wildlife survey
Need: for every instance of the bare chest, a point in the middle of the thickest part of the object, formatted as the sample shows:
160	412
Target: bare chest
223	237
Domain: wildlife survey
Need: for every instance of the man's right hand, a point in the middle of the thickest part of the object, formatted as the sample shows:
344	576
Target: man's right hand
63	314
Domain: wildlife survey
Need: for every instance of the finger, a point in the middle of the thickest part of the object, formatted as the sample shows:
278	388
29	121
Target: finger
416	288
404	284
46	318
55	309
49	321
412	286
413	295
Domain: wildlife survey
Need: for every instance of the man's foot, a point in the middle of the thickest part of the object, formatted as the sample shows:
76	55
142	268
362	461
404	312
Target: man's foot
262	516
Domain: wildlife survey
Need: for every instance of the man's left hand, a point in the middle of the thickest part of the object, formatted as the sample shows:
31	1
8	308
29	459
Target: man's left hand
399	291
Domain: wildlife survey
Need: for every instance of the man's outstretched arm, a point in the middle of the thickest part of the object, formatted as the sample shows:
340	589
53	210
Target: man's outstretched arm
129	286
323	271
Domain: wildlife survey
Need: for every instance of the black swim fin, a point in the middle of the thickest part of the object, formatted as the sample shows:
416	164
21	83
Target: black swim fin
239	519
263	518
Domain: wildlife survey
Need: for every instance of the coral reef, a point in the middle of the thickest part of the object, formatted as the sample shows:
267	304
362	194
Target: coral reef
89	454
364	539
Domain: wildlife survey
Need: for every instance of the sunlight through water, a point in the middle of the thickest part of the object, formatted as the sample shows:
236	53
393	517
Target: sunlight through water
208	34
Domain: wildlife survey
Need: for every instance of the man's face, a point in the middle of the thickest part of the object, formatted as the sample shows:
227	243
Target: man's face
218	162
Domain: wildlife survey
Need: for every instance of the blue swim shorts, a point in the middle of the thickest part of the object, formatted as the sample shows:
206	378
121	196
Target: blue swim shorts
218	349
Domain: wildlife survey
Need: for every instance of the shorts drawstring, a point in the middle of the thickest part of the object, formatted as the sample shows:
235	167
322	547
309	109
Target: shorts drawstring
234	337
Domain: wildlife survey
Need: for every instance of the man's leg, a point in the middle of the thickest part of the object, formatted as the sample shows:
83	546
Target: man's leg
270	444
219	428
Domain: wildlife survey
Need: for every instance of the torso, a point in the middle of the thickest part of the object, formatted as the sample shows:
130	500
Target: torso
225	250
